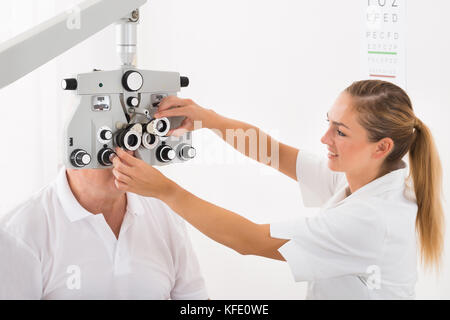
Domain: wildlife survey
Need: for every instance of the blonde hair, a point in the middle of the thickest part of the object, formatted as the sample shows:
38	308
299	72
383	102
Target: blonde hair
385	110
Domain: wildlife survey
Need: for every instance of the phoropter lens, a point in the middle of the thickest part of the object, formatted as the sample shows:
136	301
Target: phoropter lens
129	138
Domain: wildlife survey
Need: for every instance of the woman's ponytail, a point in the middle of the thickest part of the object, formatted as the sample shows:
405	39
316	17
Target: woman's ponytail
426	174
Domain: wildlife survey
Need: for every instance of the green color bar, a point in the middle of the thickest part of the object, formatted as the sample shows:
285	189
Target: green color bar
382	52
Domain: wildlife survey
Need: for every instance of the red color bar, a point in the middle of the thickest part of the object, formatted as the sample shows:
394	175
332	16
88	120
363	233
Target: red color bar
381	76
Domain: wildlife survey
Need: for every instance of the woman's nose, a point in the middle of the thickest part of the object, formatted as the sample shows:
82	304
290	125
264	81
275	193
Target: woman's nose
326	139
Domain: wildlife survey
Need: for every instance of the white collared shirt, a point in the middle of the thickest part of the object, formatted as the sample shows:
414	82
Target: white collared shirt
361	246
52	248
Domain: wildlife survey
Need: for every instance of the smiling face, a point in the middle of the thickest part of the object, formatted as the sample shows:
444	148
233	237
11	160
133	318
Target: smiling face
350	151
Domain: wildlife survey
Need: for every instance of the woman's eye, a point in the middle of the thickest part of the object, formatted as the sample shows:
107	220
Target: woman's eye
341	133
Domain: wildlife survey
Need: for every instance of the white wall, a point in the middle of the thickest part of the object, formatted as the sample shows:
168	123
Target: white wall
276	64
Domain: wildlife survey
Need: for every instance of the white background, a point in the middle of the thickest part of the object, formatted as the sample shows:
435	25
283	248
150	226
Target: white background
276	64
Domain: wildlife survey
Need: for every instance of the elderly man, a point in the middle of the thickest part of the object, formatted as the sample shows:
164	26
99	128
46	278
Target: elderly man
82	238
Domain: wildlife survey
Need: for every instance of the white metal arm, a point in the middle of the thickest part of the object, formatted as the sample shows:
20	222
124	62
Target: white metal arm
33	48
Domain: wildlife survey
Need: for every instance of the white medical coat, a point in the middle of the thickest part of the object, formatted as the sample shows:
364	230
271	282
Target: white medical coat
361	246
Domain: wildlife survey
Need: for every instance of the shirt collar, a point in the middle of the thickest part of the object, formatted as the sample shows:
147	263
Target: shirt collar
134	204
391	181
74	211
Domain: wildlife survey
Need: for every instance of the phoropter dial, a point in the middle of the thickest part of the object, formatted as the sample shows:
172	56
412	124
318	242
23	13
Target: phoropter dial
106	134
133	102
165	153
80	158
186	152
69	84
132	80
103	156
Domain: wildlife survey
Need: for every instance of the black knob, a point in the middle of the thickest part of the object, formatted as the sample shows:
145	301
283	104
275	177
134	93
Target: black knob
165	153
132	80
80	158
184	81
69	84
103	156
106	135
133	102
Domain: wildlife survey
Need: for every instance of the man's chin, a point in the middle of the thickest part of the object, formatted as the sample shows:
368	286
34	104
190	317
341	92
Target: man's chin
104	176
111	186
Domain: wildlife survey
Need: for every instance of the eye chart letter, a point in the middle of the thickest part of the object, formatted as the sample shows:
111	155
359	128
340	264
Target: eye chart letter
384	44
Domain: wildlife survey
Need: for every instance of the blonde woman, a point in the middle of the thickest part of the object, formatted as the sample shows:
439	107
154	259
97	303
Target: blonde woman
372	211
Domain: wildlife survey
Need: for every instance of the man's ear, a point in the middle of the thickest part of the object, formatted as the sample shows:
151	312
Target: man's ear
383	148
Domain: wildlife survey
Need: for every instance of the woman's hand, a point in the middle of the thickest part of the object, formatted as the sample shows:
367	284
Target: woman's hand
135	175
173	106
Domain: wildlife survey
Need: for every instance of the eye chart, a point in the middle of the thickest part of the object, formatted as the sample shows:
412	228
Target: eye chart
384	44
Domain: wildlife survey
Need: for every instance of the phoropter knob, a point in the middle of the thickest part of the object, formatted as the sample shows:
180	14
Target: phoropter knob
186	152
165	153
106	135
184	81
132	80
103	156
69	84
80	158
133	102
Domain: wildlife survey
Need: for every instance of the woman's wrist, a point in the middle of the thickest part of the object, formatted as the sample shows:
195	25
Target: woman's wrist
212	119
170	193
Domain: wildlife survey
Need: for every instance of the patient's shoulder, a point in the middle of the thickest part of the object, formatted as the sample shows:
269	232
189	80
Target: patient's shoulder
29	220
29	210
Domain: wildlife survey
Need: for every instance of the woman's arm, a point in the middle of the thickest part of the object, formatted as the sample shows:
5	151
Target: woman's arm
221	225
246	138
250	140
224	226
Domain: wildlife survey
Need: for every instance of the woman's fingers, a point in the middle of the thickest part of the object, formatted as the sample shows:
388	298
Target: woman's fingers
173	101
120	166
126	157
136	176
178	132
175	112
121	185
184	127
121	176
